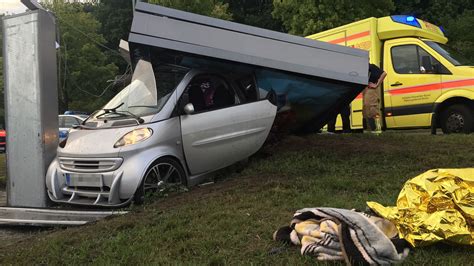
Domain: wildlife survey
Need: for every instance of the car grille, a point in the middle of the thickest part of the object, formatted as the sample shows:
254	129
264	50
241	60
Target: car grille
90	164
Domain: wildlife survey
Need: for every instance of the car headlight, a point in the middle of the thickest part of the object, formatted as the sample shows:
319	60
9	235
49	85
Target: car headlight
133	137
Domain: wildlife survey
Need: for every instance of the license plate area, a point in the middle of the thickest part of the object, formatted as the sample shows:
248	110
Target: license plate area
84	180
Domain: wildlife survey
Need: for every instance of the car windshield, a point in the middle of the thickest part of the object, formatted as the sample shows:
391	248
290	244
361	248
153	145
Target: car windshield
450	54
149	90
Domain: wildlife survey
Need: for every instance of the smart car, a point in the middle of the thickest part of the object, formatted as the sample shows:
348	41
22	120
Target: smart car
172	125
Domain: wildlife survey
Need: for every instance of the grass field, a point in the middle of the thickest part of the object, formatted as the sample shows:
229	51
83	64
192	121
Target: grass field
232	221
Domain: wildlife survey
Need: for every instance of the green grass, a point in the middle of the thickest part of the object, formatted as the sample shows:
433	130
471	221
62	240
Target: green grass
232	221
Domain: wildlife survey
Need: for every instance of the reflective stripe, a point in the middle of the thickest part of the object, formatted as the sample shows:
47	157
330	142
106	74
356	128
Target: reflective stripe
351	37
434	86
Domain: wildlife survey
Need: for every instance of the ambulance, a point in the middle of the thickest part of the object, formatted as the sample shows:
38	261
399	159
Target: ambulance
426	86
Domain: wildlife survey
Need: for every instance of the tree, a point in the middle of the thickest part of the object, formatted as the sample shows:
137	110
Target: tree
85	68
456	17
459	31
211	8
256	13
115	17
304	17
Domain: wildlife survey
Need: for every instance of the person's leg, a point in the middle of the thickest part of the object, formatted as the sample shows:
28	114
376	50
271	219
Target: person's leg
365	109
378	113
346	122
371	125
332	124
371	107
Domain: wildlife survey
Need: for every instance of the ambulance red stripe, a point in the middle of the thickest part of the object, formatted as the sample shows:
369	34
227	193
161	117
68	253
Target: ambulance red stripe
351	37
434	86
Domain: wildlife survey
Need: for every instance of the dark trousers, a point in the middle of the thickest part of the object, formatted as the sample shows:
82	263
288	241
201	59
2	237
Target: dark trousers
346	123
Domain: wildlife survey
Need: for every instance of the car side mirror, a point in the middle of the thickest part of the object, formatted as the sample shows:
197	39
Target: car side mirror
189	109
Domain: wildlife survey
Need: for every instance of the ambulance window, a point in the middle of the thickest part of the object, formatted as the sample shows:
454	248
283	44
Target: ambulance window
429	64
412	59
405	59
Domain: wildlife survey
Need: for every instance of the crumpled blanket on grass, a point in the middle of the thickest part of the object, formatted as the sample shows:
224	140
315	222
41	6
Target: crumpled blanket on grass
339	234
437	205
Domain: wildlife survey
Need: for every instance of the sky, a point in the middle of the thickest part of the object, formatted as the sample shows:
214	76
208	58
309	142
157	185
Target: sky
11	7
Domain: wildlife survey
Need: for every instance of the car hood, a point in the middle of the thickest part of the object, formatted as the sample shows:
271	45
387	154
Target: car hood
93	143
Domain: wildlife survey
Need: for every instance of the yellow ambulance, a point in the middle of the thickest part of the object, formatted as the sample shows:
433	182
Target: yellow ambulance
425	87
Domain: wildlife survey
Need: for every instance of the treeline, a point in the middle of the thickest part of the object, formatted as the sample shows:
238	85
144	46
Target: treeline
91	71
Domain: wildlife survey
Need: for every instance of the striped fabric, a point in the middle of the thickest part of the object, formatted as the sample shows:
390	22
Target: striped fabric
330	234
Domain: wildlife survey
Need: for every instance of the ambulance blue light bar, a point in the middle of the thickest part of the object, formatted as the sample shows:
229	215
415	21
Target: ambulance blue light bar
407	20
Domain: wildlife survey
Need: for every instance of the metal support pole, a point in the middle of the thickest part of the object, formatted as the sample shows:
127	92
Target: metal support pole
31	105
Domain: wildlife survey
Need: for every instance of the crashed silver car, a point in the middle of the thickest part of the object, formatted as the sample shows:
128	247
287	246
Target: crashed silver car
203	95
171	125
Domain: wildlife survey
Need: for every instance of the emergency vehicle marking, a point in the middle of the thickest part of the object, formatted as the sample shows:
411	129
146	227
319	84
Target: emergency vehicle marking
409	110
433	86
351	37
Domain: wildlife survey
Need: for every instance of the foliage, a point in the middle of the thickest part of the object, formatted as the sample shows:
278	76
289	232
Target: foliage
115	17
84	66
461	35
255	13
307	17
212	8
456	17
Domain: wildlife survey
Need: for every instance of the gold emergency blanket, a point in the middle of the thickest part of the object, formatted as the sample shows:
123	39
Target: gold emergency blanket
437	205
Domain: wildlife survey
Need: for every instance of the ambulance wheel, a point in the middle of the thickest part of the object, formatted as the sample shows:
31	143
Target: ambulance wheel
457	118
163	175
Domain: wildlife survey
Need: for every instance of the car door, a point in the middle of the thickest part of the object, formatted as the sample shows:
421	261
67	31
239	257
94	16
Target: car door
216	138
412	84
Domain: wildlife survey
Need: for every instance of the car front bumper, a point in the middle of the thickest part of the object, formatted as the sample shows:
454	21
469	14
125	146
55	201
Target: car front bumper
90	181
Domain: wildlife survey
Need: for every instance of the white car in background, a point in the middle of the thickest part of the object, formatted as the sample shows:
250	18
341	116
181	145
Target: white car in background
66	122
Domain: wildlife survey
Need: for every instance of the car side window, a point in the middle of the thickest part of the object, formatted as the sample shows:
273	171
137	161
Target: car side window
412	59
248	88
209	92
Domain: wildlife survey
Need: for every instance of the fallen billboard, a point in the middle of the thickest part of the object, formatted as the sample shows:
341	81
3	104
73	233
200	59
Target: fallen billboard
313	78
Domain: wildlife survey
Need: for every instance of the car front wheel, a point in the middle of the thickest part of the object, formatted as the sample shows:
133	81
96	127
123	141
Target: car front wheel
164	174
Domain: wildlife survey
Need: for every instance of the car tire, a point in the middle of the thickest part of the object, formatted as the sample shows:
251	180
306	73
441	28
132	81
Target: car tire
162	174
457	118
